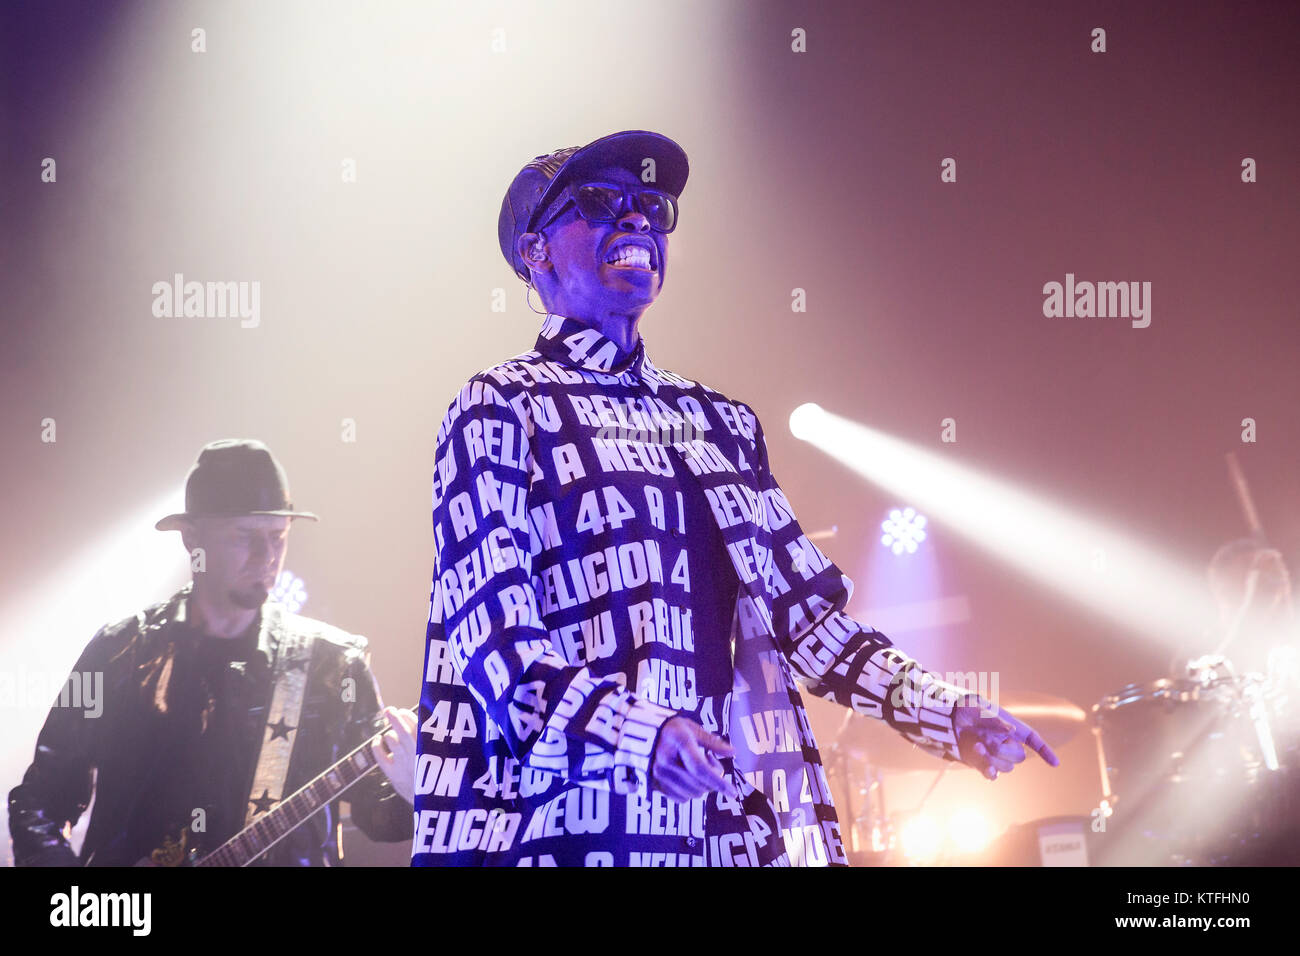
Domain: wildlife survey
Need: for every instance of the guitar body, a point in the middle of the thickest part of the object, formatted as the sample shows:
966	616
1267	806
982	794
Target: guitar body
173	852
270	827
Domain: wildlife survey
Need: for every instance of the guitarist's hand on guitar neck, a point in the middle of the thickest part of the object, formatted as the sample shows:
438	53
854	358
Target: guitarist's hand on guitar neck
395	751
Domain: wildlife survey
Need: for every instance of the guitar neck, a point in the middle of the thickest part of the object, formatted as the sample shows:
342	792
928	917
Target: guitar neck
274	825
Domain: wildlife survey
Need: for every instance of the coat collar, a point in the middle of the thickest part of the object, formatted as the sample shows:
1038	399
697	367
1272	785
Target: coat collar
579	346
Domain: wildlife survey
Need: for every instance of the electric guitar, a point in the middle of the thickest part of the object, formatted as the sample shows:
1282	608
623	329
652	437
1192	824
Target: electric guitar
292	812
273	826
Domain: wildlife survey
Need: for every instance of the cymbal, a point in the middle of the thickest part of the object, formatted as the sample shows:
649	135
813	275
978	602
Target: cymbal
874	742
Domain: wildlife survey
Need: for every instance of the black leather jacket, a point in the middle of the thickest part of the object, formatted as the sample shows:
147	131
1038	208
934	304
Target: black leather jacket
156	699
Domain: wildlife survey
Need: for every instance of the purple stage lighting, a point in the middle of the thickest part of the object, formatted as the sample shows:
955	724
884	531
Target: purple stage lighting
904	530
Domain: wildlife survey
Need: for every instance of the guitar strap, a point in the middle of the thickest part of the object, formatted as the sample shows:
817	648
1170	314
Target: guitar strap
289	680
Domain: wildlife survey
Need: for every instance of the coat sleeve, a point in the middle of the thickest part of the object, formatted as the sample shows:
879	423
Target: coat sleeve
833	655
554	717
378	810
56	788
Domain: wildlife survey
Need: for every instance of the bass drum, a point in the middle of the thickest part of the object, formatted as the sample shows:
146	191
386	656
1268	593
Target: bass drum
1191	774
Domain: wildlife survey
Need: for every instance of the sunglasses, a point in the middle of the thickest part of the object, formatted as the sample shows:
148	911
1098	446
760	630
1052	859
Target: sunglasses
607	202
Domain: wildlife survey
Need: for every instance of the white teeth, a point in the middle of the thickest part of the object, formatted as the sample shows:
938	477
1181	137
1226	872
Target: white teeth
630	255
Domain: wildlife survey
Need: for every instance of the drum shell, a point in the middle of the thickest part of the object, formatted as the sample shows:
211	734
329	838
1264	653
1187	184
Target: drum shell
1186	774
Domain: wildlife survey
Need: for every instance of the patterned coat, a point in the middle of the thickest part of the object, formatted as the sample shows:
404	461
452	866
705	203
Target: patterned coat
560	640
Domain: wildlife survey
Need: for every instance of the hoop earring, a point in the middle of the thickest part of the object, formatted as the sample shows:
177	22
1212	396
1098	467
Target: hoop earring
528	299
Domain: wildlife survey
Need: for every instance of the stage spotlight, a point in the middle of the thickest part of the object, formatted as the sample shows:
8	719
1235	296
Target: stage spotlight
1102	566
904	530
290	591
805	419
1284	666
969	831
922	839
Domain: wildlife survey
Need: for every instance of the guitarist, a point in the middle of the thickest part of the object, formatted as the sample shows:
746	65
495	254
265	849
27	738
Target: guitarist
216	703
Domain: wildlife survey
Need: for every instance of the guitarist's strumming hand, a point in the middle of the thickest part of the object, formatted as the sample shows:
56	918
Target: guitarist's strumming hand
395	751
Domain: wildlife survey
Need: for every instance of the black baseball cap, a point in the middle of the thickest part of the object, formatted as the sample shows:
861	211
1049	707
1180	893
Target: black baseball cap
540	181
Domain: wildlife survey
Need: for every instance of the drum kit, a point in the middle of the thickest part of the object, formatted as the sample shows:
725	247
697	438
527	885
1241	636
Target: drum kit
1197	770
1200	768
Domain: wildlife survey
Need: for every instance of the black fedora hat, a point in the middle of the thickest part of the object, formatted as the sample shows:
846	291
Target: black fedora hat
234	477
